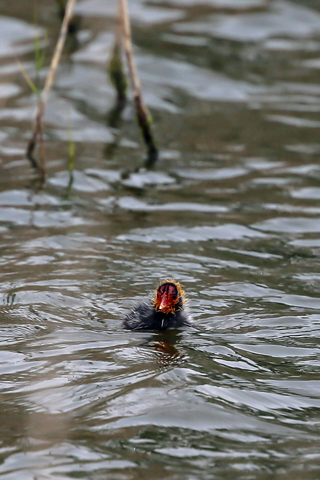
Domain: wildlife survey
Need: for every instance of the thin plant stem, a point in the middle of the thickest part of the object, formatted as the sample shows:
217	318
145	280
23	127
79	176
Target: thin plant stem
38	127
41	146
143	115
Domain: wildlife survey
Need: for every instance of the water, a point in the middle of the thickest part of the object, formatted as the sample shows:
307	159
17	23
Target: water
231	211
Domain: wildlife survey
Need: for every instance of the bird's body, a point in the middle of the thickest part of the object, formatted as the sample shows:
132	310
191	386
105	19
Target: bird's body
166	310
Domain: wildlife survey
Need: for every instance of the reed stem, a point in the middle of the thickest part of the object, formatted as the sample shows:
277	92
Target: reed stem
143	115
38	127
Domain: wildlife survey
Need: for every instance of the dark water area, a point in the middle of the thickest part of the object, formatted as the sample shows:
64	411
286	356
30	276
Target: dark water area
231	210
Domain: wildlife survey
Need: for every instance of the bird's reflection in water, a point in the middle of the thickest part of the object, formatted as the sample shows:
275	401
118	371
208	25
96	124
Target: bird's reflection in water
166	346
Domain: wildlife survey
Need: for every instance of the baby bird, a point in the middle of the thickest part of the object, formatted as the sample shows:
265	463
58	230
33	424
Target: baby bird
163	311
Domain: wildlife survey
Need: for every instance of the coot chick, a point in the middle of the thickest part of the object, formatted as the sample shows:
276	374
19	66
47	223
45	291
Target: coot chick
165	310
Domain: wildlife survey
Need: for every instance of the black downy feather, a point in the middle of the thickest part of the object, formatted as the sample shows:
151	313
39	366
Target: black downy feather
144	316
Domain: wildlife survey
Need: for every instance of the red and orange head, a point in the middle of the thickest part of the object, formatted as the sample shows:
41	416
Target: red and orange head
169	297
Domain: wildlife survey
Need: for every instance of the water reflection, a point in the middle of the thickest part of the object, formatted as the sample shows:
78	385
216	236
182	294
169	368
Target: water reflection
167	349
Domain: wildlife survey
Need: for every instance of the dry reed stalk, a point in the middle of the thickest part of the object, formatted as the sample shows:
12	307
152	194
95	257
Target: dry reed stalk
143	115
38	127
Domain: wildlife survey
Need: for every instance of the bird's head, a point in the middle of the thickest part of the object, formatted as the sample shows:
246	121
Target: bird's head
169	297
